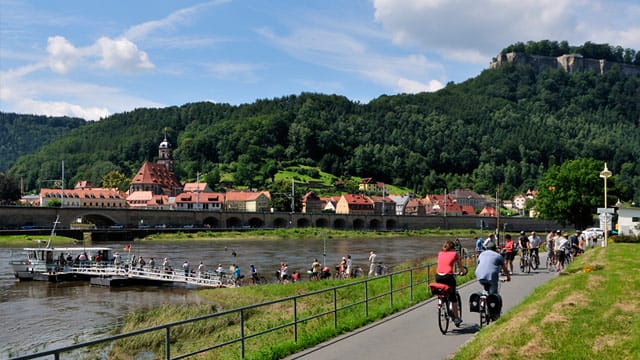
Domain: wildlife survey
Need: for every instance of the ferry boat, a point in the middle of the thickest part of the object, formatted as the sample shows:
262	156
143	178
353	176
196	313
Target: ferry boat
49	263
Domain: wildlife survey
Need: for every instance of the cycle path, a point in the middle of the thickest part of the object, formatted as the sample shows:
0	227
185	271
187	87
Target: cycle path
414	333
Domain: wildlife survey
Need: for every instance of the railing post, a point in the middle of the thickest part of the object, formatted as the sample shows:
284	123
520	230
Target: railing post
167	341
335	308
391	290
241	334
411	285
366	298
295	320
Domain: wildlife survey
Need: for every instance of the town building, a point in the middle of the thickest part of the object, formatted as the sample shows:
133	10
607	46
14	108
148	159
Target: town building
247	201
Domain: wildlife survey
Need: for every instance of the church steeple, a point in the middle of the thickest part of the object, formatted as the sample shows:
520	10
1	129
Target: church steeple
165	153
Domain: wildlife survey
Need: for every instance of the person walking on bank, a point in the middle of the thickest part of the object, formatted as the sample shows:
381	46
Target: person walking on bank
510	253
372	263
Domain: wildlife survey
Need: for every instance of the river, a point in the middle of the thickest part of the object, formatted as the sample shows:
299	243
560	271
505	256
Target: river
38	316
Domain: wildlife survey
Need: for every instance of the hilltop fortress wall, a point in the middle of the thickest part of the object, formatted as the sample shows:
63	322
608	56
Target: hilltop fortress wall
569	63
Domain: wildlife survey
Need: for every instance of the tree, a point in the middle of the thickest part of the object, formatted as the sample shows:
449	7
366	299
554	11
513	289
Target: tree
571	193
9	190
115	179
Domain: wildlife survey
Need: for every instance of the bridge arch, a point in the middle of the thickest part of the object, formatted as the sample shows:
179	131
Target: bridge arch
391	224
280	223
339	223
374	224
255	222
358	224
211	222
303	223
234	222
322	223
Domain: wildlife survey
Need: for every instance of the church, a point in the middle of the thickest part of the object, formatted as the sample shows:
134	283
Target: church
155	183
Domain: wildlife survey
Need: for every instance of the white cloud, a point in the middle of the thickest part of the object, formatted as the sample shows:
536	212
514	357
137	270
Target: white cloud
121	54
473	31
228	70
344	52
62	54
457	28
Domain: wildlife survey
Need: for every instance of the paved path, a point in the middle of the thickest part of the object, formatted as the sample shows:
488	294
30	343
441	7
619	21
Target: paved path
414	333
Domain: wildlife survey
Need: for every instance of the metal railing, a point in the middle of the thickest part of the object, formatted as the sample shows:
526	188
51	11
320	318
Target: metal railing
405	281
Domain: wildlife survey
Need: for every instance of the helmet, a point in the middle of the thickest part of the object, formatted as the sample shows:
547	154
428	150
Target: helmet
578	231
521	232
558	231
491	245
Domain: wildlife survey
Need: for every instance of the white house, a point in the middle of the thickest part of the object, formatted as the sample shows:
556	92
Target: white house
629	220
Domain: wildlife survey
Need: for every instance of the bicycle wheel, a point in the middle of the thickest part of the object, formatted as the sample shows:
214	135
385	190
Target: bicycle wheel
534	263
443	318
484	315
529	265
522	263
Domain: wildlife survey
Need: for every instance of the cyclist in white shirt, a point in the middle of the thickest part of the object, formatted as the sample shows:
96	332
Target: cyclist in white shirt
534	243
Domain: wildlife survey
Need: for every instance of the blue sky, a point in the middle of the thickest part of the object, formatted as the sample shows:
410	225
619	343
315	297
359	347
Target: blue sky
91	59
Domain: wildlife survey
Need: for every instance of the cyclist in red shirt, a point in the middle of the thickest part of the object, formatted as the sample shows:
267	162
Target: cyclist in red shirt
447	257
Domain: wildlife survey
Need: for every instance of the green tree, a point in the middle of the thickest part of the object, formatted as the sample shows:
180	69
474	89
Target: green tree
9	190
571	193
115	179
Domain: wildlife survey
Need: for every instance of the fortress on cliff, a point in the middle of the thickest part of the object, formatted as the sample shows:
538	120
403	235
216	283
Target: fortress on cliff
569	63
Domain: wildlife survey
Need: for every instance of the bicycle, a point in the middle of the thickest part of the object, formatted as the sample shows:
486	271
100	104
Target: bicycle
445	306
489	307
535	258
525	263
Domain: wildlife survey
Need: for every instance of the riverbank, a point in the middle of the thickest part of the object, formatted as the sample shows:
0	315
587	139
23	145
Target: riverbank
17	241
591	311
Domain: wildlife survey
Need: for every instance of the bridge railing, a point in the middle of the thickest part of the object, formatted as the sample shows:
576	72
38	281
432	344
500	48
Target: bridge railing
398	285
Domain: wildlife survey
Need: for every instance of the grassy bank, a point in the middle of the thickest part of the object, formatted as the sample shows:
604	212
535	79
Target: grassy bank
280	343
307	233
272	234
591	312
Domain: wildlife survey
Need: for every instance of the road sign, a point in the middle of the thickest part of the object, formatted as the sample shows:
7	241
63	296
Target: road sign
605	221
605	210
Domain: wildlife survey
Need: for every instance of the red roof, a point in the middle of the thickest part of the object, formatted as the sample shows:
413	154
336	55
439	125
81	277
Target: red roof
156	174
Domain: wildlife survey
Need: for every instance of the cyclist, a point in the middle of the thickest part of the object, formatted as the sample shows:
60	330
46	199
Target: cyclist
509	251
523	243
535	242
447	257
488	269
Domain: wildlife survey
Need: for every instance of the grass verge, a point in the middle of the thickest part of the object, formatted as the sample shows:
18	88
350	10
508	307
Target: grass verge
590	312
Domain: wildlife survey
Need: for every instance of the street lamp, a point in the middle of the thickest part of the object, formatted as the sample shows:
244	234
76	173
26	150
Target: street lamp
605	174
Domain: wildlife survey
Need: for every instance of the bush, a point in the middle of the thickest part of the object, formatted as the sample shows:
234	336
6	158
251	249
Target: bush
626	239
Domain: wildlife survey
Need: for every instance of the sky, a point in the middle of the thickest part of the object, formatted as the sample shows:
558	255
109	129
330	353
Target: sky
91	59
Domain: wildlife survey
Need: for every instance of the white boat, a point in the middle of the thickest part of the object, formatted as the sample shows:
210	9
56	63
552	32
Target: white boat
56	263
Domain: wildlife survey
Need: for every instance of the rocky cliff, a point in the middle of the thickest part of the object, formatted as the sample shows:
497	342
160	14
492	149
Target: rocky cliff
569	63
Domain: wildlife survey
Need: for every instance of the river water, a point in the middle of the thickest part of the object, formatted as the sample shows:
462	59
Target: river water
39	316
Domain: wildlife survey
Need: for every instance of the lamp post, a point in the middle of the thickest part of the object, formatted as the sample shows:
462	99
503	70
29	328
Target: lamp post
605	174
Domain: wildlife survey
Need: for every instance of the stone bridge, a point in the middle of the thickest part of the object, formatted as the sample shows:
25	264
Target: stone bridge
12	217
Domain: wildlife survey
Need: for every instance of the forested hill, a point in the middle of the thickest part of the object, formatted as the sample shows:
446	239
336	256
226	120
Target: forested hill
24	134
506	126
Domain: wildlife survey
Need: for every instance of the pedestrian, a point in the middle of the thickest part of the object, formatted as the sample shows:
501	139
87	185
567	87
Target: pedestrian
478	242
166	265
284	272
185	267
254	273
509	252
200	269
349	267
560	244
152	264
372	263
236	274
315	269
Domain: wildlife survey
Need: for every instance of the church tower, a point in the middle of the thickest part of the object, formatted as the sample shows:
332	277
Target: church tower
165	154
